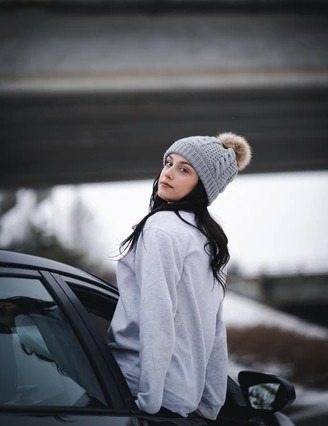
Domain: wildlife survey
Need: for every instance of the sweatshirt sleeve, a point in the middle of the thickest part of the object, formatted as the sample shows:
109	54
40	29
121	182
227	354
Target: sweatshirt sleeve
216	373
158	266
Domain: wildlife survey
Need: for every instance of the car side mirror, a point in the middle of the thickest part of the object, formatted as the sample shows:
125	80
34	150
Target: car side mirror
264	391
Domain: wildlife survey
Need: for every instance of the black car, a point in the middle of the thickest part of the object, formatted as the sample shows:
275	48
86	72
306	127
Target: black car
56	366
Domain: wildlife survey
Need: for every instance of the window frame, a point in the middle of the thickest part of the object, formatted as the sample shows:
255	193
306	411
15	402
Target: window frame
121	397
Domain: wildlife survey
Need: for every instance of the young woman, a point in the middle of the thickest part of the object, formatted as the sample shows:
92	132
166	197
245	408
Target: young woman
167	333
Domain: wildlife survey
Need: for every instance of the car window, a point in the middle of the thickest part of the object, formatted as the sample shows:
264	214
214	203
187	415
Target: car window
42	363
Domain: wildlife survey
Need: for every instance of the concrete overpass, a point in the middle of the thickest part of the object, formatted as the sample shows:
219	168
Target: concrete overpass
96	93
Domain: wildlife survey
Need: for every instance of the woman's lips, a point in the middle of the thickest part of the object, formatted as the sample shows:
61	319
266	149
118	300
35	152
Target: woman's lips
166	185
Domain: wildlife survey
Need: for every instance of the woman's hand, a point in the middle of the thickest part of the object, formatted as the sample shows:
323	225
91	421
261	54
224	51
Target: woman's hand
198	413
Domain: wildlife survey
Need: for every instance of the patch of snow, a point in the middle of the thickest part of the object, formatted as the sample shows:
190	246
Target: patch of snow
240	311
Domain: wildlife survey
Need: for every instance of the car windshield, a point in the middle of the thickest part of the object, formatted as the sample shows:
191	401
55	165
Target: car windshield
42	363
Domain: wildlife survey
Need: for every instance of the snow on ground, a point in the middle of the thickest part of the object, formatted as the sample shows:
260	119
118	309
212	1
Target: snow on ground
240	311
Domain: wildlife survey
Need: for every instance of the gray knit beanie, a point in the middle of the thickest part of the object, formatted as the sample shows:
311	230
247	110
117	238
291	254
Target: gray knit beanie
216	160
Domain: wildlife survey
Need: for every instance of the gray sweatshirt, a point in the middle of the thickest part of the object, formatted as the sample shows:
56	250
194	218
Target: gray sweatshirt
167	333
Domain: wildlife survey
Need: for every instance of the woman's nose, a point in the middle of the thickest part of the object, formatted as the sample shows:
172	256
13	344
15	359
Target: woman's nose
169	173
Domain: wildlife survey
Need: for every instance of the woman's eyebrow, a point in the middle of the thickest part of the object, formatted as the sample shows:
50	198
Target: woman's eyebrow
169	157
186	162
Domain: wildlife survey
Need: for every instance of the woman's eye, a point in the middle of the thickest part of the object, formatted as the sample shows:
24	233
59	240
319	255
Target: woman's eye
184	170
168	164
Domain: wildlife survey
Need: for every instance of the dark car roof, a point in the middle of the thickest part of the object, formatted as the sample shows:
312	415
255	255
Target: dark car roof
28	261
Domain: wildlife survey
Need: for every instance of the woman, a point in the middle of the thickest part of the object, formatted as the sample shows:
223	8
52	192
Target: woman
167	333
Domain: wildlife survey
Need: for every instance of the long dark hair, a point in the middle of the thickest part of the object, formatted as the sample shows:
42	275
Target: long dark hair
196	202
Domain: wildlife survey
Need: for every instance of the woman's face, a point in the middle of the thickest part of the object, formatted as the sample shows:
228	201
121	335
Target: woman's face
177	179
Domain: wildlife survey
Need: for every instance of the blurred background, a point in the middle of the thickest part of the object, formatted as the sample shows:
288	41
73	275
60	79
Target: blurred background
92	92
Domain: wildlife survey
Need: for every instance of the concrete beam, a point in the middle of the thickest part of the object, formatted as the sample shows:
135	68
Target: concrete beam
98	97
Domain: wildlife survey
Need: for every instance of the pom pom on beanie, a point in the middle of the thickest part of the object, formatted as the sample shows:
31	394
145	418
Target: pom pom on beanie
240	146
216	160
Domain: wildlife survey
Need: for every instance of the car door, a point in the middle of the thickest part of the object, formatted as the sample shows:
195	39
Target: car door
51	370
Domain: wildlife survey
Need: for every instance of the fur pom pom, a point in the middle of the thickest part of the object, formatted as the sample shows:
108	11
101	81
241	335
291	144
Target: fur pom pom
240	146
